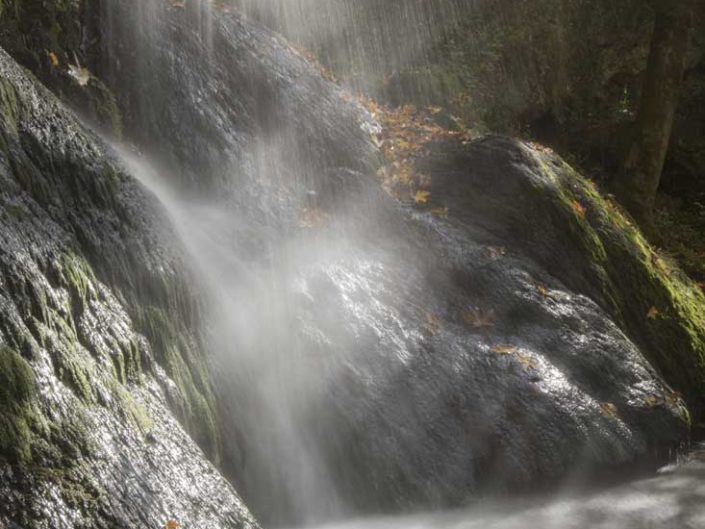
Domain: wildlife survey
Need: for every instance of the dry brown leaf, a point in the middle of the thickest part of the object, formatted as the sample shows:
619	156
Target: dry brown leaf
652	401
172	524
527	361
421	197
313	218
479	318
496	252
504	349
441	213
608	409
53	59
653	313
433	323
578	208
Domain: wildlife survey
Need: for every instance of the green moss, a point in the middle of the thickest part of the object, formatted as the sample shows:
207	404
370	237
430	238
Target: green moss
78	275
135	412
634	279
18	413
197	406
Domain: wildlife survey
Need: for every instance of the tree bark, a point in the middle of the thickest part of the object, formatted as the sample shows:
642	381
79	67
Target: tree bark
640	175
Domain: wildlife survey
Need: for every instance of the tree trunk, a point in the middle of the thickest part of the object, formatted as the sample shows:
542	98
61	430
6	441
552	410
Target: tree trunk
638	181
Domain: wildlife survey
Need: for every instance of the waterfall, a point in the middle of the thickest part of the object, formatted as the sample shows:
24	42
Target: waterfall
368	353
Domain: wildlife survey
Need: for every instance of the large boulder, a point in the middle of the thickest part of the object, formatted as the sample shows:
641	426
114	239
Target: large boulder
102	387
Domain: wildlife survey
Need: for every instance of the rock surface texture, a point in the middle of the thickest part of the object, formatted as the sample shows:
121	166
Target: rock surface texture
88	437
379	355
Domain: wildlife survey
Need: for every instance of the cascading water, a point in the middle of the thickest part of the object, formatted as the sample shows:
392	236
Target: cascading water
343	324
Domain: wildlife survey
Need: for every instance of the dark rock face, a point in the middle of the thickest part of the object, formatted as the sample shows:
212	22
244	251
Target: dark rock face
87	435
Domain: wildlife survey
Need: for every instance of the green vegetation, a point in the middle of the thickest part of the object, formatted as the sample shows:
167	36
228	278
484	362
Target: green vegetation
18	413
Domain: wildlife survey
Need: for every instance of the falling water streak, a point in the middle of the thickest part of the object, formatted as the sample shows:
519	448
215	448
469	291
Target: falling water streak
253	342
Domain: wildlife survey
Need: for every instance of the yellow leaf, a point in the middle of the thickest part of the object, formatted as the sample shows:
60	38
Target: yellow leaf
653	313
542	290
421	197
504	349
53	59
172	524
608	409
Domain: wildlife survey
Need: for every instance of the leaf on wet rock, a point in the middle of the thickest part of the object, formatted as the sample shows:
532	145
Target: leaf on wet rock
653	313
433	324
652	401
313	218
504	349
179	4
478	318
53	59
172	524
496	252
421	197
441	213
80	74
608	409
578	208
527	361
542	290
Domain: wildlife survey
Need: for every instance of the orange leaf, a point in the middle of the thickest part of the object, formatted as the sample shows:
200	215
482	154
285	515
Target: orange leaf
53	59
653	313
608	409
578	208
172	524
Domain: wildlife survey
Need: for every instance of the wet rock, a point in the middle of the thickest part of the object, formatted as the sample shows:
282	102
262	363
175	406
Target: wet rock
87	435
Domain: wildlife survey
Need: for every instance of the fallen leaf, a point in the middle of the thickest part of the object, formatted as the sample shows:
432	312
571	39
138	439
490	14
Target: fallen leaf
542	290
433	324
527	361
172	524
421	197
478	318
440	212
180	4
53	59
608	409
313	218
80	74
578	208
504	349
652	401
653	313
495	252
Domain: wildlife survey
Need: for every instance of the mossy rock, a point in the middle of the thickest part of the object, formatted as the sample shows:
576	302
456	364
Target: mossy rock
531	197
18	414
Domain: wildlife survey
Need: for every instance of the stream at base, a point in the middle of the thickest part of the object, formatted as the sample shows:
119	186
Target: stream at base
673	498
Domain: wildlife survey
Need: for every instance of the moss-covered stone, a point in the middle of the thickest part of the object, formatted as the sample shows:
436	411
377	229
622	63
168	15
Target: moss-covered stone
18	414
